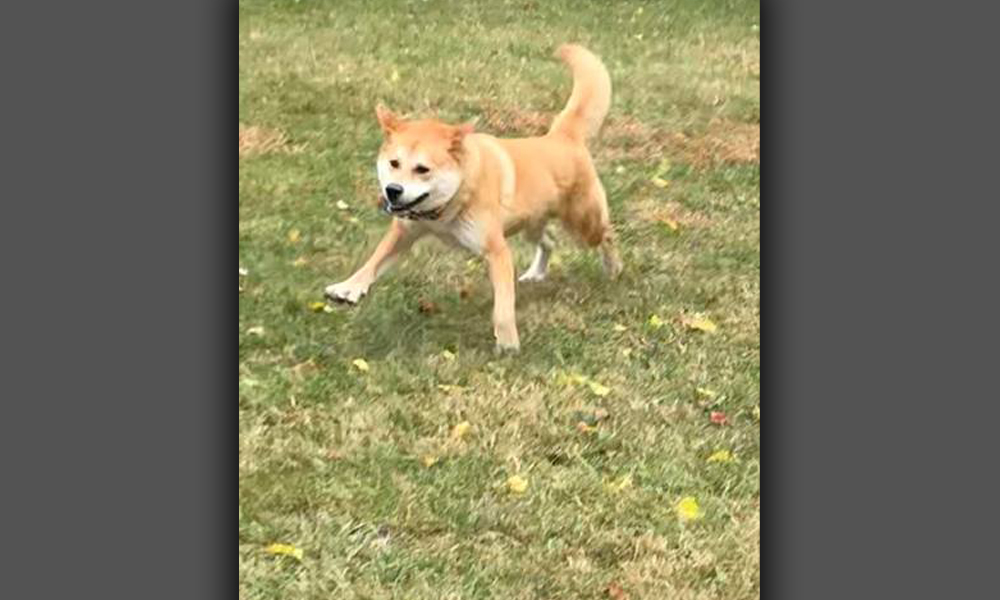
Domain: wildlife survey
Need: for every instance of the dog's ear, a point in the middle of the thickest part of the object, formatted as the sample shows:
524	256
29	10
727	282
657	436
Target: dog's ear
388	120
459	132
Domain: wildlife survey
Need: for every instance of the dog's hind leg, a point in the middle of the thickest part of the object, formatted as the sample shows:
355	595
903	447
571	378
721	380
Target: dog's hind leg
587	218
543	249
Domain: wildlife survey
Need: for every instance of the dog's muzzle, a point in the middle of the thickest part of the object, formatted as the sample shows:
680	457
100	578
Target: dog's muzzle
406	210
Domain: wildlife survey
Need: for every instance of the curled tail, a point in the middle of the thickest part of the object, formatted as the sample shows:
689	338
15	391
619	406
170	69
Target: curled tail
591	97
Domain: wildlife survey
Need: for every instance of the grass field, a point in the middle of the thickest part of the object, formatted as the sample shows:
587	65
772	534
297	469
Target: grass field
392	477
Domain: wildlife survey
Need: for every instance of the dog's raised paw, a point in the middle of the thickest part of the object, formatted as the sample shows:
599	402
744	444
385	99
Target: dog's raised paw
345	292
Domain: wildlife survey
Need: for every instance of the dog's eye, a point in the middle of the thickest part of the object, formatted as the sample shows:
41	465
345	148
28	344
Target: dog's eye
421	169
394	164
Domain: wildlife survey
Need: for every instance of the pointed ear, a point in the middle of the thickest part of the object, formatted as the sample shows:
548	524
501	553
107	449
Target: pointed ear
388	120
465	128
459	132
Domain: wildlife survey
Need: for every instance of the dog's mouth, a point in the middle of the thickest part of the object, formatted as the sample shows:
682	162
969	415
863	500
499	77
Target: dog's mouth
406	209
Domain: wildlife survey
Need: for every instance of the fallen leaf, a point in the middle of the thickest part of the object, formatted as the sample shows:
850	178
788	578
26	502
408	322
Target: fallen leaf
722	456
619	486
672	224
446	387
360	364
258	330
705	392
460	430
619	327
300	262
317	306
427	307
699	322
598	389
655	322
717	417
584	428
430	460
615	592
626	352
342	205
395	76
688	509
517	484
756	413
448	355
660	182
243	272
294	236
285	550
353	220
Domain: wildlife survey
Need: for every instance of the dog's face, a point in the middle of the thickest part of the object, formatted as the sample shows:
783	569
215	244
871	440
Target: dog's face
419	165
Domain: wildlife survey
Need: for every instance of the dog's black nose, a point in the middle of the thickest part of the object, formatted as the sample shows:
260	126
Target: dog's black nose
393	191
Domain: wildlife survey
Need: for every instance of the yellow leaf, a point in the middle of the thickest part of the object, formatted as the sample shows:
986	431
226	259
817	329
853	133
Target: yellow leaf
395	76
619	486
723	456
706	392
360	364
688	509
517	484
460	430
448	355
258	330
598	389
626	352
300	262
353	220
342	205
620	328
243	272
671	223
294	236
756	413
700	322
660	182
447	387
655	322
285	550
317	306
430	460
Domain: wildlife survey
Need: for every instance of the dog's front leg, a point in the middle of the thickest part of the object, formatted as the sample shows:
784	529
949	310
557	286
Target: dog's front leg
502	275
396	241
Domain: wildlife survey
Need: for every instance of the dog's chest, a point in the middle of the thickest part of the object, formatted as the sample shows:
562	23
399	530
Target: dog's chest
460	232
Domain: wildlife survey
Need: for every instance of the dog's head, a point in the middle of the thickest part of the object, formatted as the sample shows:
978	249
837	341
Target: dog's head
419	165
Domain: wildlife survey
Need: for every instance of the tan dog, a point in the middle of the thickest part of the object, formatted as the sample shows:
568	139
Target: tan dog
474	190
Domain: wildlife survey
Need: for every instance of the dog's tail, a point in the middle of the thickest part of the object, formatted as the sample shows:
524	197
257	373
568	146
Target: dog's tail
591	97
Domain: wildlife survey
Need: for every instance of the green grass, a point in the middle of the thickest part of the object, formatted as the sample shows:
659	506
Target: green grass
332	458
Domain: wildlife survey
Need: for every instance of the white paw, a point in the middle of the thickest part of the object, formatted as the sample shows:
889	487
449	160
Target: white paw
346	291
507	340
532	275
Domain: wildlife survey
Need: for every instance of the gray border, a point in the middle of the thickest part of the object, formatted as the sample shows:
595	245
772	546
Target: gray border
881	226
112	433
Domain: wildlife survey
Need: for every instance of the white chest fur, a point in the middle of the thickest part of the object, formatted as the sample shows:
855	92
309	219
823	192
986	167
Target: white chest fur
459	231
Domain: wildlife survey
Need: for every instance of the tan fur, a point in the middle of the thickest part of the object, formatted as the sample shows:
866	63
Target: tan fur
507	185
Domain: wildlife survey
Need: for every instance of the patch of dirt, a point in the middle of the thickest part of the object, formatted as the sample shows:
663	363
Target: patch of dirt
260	140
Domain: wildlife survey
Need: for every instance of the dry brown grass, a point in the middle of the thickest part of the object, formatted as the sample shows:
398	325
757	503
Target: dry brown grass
261	140
723	142
627	138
